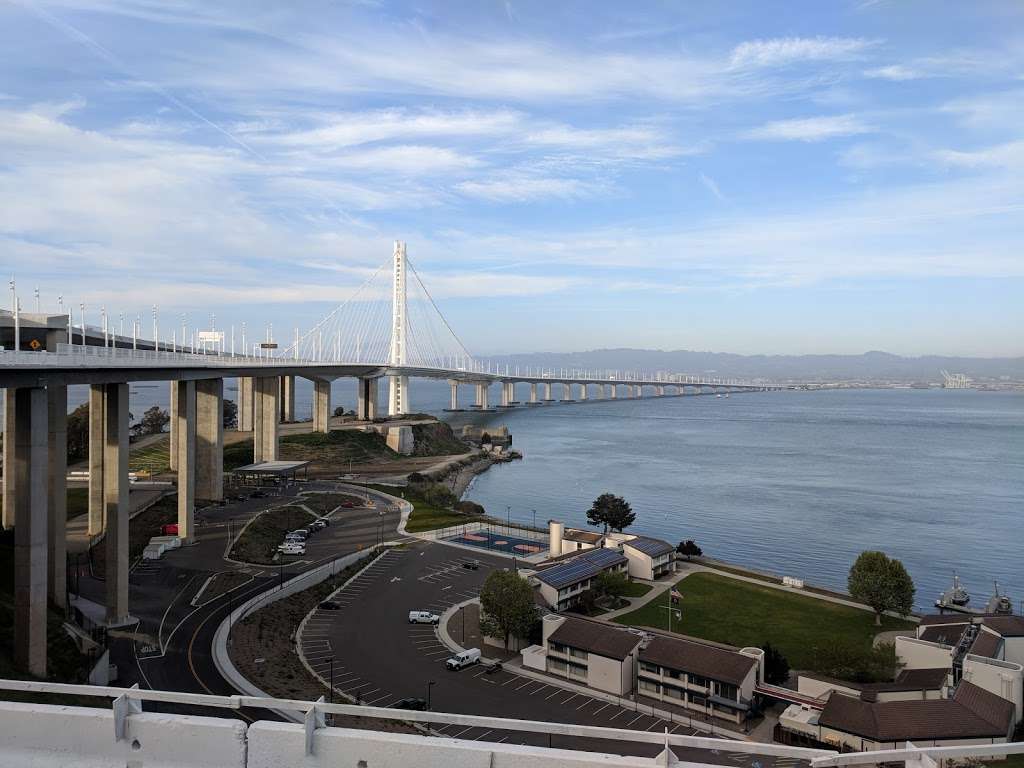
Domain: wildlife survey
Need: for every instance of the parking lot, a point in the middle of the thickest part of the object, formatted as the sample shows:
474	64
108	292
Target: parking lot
380	658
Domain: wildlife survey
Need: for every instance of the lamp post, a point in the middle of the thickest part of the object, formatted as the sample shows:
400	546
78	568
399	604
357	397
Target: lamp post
534	518
331	661
430	684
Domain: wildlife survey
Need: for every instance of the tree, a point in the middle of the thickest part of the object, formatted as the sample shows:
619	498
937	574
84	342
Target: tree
230	414
78	433
881	583
776	666
611	583
611	511
152	422
860	663
689	549
506	606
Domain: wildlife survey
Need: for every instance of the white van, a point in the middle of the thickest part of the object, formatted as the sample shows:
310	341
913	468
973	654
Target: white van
423	617
464	659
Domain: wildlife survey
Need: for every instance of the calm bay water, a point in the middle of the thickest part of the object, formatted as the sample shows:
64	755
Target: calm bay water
797	483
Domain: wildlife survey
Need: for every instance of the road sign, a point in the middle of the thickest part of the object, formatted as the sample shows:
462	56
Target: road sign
268	345
211	337
34	345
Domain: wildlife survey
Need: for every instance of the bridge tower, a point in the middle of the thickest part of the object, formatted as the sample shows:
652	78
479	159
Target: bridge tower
398	389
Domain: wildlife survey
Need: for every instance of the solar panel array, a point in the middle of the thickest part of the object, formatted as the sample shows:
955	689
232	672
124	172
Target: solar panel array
650	547
589	564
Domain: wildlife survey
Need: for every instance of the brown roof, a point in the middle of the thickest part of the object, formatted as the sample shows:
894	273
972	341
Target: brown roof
1007	626
972	713
942	618
587	537
688	656
928	679
594	637
986	644
947	634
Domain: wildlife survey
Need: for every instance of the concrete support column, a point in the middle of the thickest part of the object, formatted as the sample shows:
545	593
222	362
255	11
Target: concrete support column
97	425
366	402
209	439
265	418
245	400
615	391
546	389
659	391
57	448
287	399
566	391
454	386
505	399
482	389
173	428
322	405
28	441
398	396
583	391
115	498
8	489
185	423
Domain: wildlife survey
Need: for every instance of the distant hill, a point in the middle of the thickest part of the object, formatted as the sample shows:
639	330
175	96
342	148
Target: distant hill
870	365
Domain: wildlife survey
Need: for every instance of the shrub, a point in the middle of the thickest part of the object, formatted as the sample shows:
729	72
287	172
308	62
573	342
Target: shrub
469	508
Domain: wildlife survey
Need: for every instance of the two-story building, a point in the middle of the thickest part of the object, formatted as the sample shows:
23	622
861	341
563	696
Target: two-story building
648	558
594	654
705	678
563	581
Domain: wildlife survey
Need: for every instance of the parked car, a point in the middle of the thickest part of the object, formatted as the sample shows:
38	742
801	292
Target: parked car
419	705
258	495
294	538
348	504
423	617
289	548
171	529
318	525
302	533
325	520
329	605
473	565
492	668
465	659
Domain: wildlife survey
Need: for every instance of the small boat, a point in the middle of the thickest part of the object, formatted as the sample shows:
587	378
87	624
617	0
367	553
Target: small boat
998	603
955	597
718	394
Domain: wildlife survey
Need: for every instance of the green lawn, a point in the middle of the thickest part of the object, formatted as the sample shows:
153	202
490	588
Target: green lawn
425	516
258	543
739	613
155	457
636	589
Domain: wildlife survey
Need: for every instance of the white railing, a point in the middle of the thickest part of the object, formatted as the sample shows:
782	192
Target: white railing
44	735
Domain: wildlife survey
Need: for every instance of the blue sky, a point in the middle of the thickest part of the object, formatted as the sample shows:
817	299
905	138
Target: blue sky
747	177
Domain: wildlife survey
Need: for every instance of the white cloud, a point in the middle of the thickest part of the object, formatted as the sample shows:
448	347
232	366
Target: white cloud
406	159
711	185
787	50
896	72
525	188
809	129
1005	156
636	142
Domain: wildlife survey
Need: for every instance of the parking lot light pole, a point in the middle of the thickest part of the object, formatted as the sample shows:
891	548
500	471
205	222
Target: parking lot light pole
430	684
331	660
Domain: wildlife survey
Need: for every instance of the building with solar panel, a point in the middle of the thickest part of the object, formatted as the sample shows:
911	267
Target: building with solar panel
562	581
647	558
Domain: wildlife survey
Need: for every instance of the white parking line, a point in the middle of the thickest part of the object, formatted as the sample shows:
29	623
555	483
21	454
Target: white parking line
381	698
588	701
656	724
551	696
620	712
638	717
511	679
482	735
604	707
462	732
575	695
528	682
676	728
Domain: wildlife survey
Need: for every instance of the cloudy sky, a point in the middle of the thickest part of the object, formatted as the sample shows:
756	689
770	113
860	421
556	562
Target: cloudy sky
745	177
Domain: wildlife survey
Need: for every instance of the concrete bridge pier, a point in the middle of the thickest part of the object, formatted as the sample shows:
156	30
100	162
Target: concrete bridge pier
533	393
115	499
266	410
245	384
322	405
547	391
614	391
659	391
566	392
482	389
97	430
27	444
57	459
505	399
185	426
287	399
8	486
453	385
367	399
398	396
173	428
583	392
209	439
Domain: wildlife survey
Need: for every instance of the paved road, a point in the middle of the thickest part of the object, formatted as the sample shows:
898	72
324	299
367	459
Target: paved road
381	658
170	648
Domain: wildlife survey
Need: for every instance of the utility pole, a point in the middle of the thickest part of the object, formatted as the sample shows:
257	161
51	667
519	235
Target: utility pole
17	319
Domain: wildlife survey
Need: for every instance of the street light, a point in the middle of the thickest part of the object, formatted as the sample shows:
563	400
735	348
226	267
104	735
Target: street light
430	684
